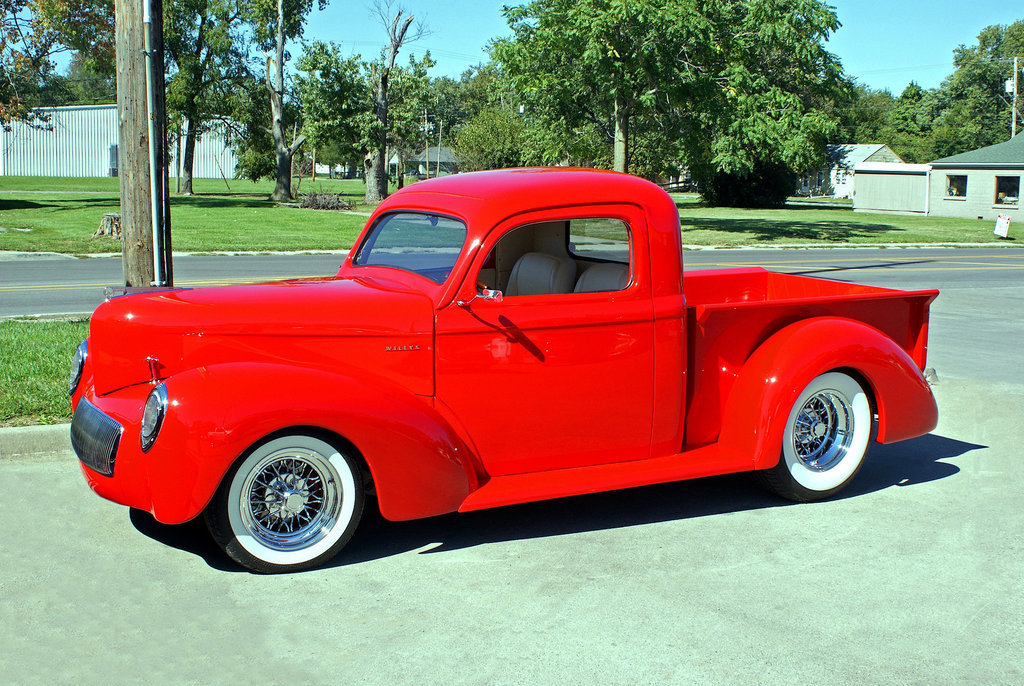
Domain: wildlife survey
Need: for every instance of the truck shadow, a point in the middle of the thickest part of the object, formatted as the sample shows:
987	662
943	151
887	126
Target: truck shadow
904	464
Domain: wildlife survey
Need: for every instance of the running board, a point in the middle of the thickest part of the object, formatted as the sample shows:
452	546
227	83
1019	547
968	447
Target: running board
559	483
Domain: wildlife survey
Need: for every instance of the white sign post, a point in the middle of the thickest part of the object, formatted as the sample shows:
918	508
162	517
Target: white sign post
1002	225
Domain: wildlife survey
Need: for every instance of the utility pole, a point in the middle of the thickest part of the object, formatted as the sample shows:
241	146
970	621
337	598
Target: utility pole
145	208
440	127
1016	74
426	142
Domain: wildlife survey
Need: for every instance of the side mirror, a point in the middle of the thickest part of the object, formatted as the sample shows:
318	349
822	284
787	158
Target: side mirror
488	294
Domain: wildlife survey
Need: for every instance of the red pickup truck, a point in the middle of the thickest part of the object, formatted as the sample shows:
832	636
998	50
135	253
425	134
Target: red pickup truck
492	338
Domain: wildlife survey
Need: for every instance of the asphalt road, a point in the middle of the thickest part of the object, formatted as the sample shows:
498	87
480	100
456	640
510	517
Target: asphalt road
914	575
64	285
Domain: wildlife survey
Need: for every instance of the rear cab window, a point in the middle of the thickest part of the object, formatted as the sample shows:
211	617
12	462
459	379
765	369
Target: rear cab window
599	239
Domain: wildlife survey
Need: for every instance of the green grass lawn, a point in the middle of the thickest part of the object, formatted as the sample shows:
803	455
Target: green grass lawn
34	362
60	215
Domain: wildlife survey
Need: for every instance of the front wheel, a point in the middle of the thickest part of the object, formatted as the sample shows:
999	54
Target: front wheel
826	436
290	504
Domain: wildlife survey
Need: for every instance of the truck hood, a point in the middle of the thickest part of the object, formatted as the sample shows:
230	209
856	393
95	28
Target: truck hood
330	323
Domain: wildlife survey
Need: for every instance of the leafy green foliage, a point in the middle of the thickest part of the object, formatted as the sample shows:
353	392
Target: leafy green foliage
493	139
969	110
333	94
767	185
734	87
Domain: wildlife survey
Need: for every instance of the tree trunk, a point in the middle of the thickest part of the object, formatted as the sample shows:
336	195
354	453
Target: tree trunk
401	169
621	151
373	165
376	162
133	146
188	159
275	86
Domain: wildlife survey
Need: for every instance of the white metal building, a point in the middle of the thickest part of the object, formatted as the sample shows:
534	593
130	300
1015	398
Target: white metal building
892	188
81	140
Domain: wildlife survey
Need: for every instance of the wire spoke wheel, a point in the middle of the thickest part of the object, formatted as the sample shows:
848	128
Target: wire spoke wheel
823	430
291	499
291	503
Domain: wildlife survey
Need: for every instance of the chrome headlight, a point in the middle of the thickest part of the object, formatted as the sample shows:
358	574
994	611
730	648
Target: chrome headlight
153	416
77	364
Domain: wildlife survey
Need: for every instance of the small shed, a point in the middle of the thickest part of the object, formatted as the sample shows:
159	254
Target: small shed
835	177
891	187
980	184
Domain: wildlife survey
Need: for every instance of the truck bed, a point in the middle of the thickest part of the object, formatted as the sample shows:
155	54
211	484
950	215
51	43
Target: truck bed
730	312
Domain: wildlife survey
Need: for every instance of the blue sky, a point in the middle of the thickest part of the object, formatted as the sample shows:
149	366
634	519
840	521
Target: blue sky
882	43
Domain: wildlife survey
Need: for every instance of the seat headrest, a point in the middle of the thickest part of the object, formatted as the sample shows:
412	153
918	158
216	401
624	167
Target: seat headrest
537	273
604	276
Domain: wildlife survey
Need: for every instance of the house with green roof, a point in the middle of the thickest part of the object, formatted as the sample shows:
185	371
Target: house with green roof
980	184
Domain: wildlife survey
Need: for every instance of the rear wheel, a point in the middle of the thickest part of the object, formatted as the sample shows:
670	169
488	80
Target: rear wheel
290	504
826	437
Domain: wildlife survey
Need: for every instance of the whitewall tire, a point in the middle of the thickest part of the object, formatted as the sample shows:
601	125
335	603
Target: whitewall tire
291	503
826	436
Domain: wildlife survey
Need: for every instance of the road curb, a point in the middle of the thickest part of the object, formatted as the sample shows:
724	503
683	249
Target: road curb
34	441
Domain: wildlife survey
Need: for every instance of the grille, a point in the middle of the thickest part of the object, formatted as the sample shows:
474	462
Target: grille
95	436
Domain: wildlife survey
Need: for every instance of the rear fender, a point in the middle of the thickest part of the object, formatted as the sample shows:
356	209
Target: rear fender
758	406
419	466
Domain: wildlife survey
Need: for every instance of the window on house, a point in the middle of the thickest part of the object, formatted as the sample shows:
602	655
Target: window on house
1007	190
956	185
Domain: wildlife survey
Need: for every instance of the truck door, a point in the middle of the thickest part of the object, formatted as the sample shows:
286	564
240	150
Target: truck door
559	372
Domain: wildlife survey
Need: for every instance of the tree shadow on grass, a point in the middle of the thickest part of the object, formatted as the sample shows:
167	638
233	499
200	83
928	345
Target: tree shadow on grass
768	230
909	463
17	204
222	201
108	204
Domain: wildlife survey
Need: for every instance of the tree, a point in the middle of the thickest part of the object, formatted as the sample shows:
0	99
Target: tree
375	162
87	85
975	108
864	116
31	33
605	62
733	86
206	50
274	22
492	139
333	94
409	98
769	113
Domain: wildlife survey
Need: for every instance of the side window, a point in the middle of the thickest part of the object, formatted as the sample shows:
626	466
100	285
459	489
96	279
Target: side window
1007	190
956	185
586	255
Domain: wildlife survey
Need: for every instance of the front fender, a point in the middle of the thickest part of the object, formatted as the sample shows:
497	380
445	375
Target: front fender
419	466
758	406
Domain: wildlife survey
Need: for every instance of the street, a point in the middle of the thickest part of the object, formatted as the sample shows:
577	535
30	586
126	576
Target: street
54	285
914	574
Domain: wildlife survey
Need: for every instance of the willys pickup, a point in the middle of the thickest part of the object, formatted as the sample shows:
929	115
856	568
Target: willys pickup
492	338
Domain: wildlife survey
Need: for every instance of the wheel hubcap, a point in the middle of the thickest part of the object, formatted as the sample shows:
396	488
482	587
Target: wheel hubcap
291	500
824	430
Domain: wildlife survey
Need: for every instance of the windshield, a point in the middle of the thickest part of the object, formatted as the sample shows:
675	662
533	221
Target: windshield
425	244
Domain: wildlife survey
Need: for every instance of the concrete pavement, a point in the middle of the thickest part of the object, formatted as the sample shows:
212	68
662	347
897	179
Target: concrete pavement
914	575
